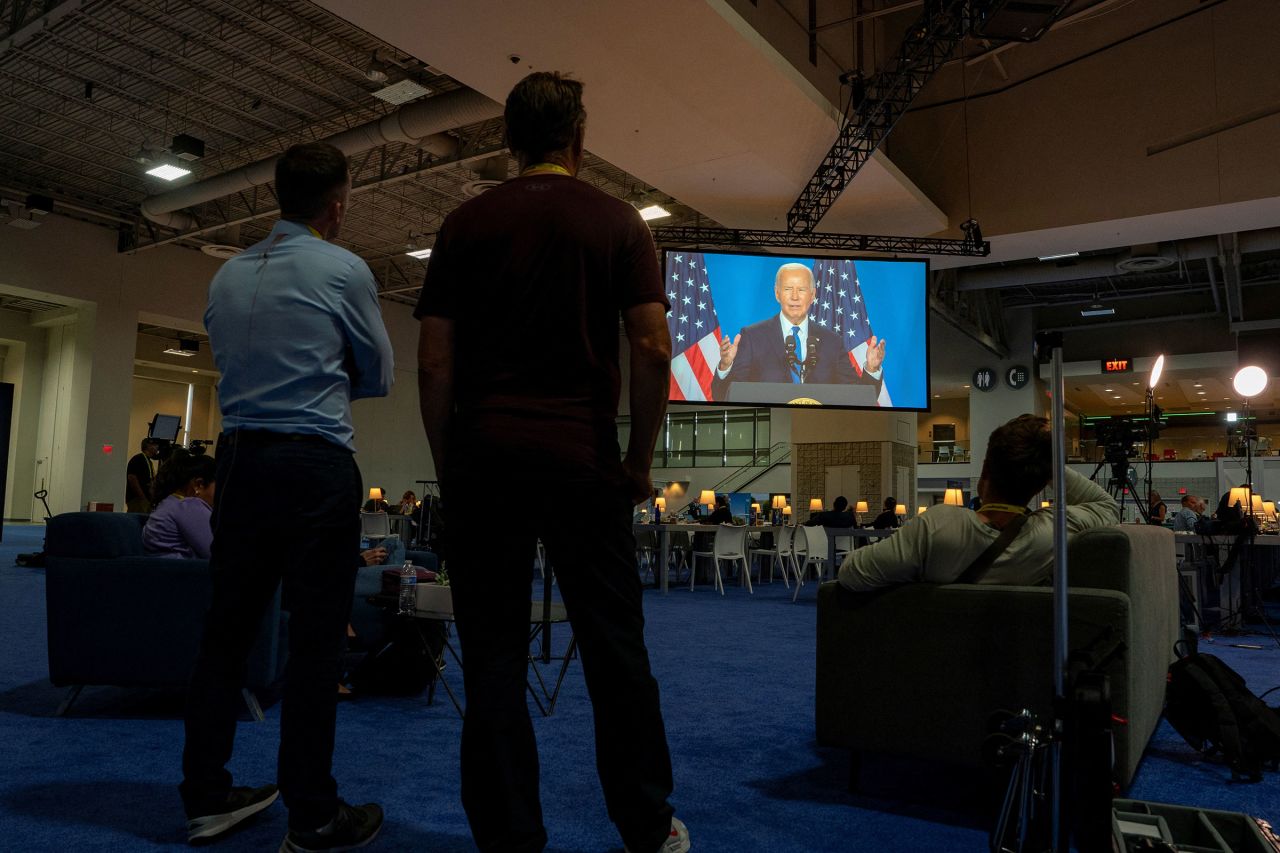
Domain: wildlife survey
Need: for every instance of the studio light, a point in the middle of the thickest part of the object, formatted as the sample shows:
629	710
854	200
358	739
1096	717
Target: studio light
1250	381
1096	309
1156	370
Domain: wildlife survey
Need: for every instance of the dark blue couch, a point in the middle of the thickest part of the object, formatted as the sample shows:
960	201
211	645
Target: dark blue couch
119	617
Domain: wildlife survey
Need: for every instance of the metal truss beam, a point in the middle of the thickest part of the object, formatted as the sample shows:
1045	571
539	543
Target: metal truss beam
688	236
925	48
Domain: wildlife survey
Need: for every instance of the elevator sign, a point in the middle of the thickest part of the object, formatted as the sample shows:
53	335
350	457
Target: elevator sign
1117	365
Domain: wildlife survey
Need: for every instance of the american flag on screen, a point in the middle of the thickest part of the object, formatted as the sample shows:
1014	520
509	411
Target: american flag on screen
838	306
694	327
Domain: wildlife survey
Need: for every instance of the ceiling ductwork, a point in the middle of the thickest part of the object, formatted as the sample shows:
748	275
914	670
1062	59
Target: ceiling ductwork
421	123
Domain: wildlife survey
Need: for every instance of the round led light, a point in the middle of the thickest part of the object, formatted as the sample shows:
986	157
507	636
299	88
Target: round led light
1156	369
1250	381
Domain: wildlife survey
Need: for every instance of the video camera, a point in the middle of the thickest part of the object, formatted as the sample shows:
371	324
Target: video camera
1119	436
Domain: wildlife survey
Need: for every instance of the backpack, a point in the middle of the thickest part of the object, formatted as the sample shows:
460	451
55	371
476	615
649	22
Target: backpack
1208	704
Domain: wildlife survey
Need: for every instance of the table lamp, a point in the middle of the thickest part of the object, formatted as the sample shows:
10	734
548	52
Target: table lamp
1240	497
755	510
1044	504
1257	509
779	501
815	504
375	494
901	510
954	497
858	509
707	498
660	504
786	511
1269	509
920	510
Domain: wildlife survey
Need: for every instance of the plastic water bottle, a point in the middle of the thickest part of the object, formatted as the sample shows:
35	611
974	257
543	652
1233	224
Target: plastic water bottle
408	589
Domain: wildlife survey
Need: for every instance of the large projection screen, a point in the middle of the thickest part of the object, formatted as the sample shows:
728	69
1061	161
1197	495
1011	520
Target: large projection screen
801	330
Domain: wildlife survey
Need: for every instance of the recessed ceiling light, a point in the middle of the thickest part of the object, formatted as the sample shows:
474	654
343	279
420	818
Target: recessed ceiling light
1202	393
966	386
168	172
654	211
1197	385
420	254
1107	390
1116	397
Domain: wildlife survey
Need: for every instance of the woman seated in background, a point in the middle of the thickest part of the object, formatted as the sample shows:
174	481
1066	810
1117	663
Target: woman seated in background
179	525
408	503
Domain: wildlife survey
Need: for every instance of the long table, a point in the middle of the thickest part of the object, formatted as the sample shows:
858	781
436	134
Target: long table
1231	585
664	532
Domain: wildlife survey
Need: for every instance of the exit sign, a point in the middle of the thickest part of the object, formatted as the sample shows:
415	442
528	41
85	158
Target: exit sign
1117	365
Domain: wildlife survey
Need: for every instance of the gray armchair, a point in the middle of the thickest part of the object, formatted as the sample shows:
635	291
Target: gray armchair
917	670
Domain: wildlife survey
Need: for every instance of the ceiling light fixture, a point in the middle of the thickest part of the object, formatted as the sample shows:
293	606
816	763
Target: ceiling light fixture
1096	309
1060	257
168	172
420	254
654	211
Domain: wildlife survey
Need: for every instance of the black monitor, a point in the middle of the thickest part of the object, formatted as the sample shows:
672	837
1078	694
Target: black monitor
165	427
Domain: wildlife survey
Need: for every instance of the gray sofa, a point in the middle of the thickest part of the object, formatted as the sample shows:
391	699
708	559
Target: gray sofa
917	670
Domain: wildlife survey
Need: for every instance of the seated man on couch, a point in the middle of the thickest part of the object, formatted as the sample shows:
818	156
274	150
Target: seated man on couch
939	546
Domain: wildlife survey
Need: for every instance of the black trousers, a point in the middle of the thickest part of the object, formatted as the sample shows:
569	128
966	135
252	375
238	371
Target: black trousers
595	567
313	546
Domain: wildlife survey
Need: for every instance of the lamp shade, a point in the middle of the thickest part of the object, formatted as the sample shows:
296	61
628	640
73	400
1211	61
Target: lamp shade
779	501
755	507
786	510
1044	504
707	498
815	504
661	504
861	507
1250	381
1257	508
900	509
920	510
1269	509
1240	495
954	497
375	494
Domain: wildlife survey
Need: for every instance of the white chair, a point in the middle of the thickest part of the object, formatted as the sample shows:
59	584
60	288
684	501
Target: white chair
375	526
730	544
810	547
779	555
647	552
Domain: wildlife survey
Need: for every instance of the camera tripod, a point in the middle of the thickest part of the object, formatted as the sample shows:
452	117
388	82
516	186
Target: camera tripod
1121	484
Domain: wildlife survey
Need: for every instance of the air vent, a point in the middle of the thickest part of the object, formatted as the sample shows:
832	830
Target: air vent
221	251
1144	263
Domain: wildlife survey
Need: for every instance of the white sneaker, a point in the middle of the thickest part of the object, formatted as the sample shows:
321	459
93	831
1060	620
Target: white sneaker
677	841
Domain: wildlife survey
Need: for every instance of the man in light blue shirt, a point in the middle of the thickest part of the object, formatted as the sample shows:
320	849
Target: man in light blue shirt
1184	521
297	334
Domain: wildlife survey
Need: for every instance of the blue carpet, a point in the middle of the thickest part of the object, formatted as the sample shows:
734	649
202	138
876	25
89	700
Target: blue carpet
737	679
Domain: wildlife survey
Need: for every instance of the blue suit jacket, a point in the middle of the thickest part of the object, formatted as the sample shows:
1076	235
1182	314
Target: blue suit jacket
762	357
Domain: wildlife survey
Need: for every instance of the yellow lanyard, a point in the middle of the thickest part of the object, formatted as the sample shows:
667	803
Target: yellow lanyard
314	233
546	168
1019	510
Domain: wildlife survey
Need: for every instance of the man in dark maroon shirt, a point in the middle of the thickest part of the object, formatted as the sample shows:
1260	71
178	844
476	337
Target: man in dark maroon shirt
519	382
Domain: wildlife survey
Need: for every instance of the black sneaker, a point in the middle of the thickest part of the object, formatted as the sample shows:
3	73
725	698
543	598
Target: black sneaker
240	804
351	827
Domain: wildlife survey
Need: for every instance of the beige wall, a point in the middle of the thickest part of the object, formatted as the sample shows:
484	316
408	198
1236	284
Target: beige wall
945	411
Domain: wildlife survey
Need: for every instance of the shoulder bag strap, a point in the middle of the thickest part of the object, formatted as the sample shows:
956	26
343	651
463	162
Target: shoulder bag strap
978	569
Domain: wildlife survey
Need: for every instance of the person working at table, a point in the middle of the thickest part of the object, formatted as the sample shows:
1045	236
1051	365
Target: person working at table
1185	519
888	517
940	546
557	263
838	516
788	348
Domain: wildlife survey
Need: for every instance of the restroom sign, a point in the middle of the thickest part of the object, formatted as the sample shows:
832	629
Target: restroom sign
984	379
